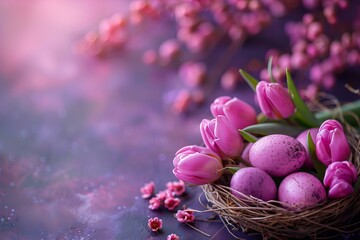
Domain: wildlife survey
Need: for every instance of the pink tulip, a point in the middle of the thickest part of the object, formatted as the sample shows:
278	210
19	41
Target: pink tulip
331	143
274	100
221	136
239	113
339	177
197	165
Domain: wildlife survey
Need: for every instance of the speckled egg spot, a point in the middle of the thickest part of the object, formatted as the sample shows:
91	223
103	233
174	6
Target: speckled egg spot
277	154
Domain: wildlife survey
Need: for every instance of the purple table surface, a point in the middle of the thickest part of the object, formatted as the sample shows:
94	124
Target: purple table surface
79	136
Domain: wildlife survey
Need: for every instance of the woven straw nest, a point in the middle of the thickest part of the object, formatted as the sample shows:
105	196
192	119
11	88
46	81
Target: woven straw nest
275	222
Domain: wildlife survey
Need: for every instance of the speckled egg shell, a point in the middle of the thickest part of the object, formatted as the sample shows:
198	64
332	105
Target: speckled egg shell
301	190
253	182
277	154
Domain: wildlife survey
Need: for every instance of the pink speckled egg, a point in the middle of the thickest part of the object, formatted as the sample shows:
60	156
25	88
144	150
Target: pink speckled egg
301	190
253	182
303	139
277	154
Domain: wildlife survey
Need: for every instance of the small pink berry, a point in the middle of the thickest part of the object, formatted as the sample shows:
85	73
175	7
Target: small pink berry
193	73
155	224
149	57
181	102
229	80
185	216
147	190
169	51
314	30
198	96
173	236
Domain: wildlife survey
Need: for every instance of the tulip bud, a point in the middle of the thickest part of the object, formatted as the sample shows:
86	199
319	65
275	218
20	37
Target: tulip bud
220	136
239	113
331	143
339	176
274	100
197	165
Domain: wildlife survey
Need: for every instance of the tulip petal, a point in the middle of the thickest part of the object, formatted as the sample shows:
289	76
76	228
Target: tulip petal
227	137
239	113
322	147
217	106
340	189
206	134
263	101
280	100
339	146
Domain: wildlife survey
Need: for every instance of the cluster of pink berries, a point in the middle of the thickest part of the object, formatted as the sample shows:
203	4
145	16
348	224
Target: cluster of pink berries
169	199
315	52
204	27
200	27
329	7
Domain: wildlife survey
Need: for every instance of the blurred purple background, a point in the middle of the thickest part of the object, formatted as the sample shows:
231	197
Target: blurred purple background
79	136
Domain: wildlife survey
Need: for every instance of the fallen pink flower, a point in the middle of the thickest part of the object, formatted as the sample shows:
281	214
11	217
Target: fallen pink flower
176	187
155	224
162	195
173	236
147	190
155	203
171	203
185	216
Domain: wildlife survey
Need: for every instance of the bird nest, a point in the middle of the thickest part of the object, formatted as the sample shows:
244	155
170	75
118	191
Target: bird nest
275	222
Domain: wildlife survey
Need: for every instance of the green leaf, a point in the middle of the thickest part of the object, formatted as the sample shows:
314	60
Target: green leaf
269	68
232	169
303	114
249	79
319	166
273	128
247	136
261	118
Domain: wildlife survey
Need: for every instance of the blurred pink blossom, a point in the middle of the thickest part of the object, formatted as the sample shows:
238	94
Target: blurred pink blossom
147	190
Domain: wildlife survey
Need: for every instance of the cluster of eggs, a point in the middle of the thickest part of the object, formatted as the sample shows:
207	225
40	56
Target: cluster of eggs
279	157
